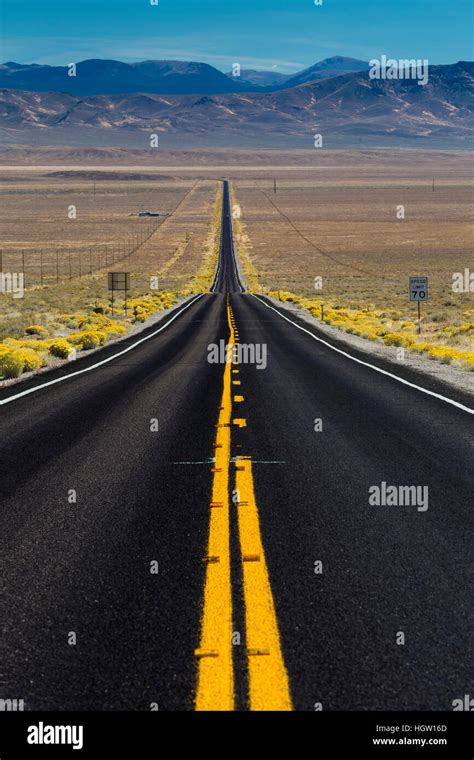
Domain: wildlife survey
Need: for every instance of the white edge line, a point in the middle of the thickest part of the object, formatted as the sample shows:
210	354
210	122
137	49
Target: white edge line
371	366
104	361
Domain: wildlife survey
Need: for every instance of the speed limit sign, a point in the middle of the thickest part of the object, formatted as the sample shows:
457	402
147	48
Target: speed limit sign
418	288
419	293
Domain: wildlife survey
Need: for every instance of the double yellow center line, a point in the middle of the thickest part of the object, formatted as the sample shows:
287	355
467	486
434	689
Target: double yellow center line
267	676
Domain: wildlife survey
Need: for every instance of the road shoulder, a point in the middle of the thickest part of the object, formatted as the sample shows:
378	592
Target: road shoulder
414	366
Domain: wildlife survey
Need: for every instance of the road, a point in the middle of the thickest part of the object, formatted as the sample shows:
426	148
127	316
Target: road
195	535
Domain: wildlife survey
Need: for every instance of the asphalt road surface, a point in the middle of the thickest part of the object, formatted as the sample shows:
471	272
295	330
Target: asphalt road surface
184	531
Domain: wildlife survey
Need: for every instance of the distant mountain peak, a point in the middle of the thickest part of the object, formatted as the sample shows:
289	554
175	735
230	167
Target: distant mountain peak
327	69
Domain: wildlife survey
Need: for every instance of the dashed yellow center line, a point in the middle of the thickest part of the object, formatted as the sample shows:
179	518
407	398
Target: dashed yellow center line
215	689
268	679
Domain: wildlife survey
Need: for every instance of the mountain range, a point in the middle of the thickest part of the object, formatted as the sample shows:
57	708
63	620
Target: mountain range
347	110
273	80
108	77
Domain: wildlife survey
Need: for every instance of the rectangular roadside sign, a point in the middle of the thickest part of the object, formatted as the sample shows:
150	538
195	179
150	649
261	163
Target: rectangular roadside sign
119	280
418	288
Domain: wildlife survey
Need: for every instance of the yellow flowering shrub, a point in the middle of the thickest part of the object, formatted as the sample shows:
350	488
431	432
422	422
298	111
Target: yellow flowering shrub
87	339
33	343
397	339
142	308
36	330
11	365
60	348
31	360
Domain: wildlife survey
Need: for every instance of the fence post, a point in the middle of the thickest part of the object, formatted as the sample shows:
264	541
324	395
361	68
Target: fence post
41	267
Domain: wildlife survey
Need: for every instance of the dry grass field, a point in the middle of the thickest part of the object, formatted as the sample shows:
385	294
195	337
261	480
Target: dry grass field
75	254
334	237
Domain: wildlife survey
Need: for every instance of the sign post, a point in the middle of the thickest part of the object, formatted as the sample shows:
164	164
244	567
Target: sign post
119	281
419	293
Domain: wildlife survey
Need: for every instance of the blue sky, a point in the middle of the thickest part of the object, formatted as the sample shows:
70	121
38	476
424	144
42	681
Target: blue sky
286	35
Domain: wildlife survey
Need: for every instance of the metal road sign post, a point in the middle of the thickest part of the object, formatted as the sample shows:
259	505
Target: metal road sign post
419	293
119	281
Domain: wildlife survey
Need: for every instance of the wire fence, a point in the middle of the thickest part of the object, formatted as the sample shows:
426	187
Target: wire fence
47	266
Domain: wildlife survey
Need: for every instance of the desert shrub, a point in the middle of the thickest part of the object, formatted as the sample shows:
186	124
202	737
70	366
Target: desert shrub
11	365
394	339
139	314
439	316
93	321
118	329
31	360
89	339
36	330
60	348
